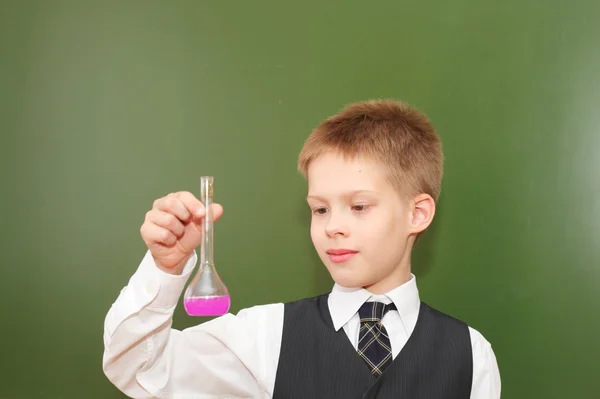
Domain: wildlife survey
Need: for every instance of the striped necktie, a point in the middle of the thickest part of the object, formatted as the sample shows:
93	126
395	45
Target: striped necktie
373	342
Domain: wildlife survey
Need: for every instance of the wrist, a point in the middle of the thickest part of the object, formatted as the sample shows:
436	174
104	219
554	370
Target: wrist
176	270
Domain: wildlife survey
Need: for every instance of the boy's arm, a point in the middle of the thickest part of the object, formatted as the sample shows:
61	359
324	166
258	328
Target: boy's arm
229	355
486	375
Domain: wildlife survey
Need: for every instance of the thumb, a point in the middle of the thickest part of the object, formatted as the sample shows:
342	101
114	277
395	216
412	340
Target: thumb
216	212
192	236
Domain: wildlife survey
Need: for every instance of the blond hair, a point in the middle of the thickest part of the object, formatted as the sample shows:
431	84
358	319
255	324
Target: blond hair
388	131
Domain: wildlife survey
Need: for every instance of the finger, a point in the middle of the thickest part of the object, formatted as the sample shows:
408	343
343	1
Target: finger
173	205
217	211
167	221
153	233
193	205
196	208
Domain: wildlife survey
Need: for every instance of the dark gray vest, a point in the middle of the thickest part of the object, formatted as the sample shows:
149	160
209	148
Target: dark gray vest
317	362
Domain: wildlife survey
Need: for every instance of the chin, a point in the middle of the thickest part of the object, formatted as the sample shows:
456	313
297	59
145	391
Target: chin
348	275
348	280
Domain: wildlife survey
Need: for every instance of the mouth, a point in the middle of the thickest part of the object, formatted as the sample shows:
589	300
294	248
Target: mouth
340	255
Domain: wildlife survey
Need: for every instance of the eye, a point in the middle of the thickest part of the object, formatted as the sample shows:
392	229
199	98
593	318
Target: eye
360	208
319	211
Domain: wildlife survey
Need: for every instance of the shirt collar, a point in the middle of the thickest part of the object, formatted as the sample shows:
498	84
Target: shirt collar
344	302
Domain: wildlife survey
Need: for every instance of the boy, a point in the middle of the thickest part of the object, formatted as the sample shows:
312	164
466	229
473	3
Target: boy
374	174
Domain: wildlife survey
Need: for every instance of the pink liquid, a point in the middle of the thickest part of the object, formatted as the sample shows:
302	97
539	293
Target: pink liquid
207	306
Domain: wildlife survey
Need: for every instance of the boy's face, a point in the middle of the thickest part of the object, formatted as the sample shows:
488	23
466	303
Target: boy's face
361	227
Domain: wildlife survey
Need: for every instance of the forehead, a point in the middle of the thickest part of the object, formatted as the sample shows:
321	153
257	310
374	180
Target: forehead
331	173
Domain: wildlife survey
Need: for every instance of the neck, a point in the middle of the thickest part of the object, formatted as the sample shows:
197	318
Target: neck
396	279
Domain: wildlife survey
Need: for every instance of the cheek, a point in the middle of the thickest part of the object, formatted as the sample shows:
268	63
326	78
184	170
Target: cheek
380	227
384	233
314	233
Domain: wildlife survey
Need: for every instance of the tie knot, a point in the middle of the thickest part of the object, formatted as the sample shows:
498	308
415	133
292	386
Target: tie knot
374	311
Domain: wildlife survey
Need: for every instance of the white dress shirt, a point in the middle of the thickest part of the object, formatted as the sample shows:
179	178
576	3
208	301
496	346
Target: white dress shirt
236	356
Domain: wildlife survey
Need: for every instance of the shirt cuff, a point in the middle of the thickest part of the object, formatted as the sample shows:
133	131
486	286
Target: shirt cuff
161	289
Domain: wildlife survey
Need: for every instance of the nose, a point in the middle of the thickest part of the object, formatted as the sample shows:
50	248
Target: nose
336	226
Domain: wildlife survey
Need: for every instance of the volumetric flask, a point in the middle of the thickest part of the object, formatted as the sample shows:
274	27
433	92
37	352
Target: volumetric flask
206	295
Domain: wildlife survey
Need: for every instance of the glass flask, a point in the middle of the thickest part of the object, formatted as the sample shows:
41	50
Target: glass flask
206	295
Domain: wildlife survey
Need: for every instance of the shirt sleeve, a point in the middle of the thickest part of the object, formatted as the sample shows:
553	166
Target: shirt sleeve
228	356
486	375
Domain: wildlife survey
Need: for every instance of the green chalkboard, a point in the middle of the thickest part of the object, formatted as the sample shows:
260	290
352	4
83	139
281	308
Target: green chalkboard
106	106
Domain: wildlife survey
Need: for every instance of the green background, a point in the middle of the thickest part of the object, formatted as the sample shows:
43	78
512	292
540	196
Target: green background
106	106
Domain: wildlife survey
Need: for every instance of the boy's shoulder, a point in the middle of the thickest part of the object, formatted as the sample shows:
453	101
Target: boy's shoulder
440	314
271	309
308	299
478	341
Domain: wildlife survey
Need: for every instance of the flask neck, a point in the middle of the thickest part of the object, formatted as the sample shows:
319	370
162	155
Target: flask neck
206	196
207	249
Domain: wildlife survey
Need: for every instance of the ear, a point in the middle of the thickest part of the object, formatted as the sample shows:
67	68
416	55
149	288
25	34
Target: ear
422	212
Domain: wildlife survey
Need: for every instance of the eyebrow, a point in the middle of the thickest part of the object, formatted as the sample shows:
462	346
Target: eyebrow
347	194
